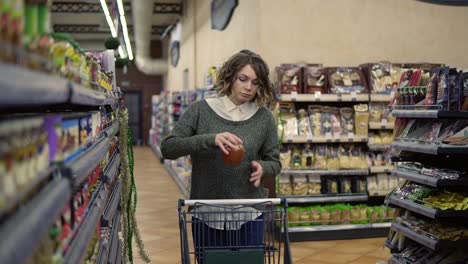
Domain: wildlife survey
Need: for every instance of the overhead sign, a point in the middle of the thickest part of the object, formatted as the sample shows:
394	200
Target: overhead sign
221	13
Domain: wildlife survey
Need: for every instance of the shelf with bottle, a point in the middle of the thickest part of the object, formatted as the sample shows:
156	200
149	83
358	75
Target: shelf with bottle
32	221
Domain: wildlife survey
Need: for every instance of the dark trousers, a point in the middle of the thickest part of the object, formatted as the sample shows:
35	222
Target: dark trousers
204	237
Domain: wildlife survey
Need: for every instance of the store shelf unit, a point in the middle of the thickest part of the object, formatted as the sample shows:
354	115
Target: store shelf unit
426	241
324	139
338	198
415	113
318	97
21	194
103	253
85	232
431	181
111	131
112	206
381	125
326	172
176	178
112	168
80	167
337	232
44	89
24	230
426	148
378	147
115	241
424	210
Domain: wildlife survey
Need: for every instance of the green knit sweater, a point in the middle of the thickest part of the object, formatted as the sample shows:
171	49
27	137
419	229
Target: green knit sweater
194	135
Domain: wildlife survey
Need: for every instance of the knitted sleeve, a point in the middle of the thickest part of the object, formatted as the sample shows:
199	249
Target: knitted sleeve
183	140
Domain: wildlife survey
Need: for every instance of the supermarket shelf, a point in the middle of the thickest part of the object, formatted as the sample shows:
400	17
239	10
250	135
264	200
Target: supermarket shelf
176	178
80	167
324	139
118	258
381	169
112	169
381	125
324	97
379	193
82	95
21	194
430	148
103	253
112	206
426	211
380	97
426	241
24	230
157	152
44	89
337	232
430	114
378	147
430	181
85	232
326	172
115	241
327	198
24	87
111	131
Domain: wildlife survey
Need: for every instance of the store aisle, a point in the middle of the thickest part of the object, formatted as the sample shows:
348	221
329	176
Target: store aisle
157	219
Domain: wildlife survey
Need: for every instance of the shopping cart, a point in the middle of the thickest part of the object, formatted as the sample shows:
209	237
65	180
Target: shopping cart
234	231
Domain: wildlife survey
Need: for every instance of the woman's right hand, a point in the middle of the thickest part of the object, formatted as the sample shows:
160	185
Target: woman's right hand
227	141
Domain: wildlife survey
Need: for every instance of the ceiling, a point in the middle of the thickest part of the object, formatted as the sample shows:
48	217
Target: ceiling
85	20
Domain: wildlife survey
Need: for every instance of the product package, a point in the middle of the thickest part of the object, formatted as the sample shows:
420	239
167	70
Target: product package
300	185
347	120
315	119
346	80
284	186
361	119
289	78
314	186
315	80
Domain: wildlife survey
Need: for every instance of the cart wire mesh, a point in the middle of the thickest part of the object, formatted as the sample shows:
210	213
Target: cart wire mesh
234	233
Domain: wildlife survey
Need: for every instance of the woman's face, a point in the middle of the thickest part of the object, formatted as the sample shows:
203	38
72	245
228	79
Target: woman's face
245	85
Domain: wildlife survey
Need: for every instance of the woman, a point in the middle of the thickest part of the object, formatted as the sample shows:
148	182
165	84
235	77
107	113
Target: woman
211	127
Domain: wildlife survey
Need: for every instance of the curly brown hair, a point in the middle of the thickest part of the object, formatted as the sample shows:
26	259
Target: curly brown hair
228	72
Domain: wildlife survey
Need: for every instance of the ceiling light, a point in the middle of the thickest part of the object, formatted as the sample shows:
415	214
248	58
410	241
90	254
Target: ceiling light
108	18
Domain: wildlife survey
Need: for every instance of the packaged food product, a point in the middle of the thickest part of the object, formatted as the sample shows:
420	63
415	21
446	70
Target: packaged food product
345	185
332	184
382	182
443	89
289	78
315	80
315	118
314	185
333	161
293	215
355	215
285	155
287	121
347	120
432	87
325	217
300	185
308	156
344	156
296	158
326	121
346	80
303	120
361	119
320	157
335	216
284	186
376	111
304	217
315	216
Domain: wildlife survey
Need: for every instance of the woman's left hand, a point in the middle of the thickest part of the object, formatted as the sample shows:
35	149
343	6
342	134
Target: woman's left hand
257	173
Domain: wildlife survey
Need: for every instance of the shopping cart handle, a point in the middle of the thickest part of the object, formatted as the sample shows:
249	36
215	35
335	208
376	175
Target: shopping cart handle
232	201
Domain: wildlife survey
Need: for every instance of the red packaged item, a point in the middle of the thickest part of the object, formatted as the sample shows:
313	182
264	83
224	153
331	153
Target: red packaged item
431	91
315	80
289	78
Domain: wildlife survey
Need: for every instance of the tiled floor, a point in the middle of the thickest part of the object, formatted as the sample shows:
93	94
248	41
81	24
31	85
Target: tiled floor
157	220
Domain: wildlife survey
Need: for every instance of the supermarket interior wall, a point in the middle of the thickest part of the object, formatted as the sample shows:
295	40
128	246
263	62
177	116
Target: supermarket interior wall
335	33
348	33
202	47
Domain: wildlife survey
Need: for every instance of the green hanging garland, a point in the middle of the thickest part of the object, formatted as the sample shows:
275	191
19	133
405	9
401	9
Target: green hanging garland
129	193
